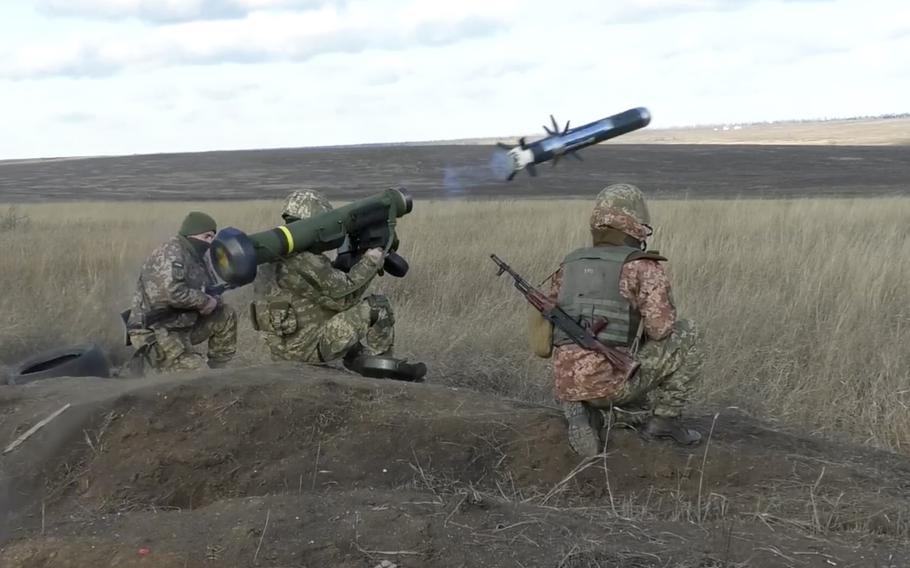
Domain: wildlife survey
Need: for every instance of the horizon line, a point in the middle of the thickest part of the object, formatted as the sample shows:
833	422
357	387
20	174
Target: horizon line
479	141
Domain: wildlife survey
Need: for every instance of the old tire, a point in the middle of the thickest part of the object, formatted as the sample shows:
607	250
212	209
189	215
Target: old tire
80	361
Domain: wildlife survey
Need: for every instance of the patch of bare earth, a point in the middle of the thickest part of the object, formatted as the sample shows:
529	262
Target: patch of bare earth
296	466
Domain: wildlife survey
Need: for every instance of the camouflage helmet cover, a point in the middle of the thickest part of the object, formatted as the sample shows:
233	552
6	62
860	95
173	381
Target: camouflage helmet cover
305	204
622	206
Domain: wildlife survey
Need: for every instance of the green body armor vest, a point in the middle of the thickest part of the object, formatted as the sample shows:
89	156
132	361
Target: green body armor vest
590	293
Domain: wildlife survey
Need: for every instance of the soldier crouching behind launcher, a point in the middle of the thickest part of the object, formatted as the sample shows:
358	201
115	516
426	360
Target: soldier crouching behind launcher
171	310
617	281
311	312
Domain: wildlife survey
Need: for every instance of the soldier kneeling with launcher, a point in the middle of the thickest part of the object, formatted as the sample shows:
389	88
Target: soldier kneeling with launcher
311	312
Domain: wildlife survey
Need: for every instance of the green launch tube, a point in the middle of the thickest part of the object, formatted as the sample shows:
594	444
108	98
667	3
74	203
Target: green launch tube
362	224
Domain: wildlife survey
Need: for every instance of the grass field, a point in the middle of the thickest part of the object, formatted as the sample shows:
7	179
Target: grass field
804	302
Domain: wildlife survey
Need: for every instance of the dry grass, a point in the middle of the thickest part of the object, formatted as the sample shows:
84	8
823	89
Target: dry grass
804	302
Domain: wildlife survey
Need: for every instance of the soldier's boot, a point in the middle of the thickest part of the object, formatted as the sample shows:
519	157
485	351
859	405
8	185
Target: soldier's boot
137	364
353	359
672	428
583	436
351	354
214	364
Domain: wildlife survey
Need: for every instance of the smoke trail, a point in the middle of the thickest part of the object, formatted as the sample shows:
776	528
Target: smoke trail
455	179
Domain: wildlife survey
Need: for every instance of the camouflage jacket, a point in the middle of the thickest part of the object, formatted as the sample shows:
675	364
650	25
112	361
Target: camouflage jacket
315	291
580	374
172	277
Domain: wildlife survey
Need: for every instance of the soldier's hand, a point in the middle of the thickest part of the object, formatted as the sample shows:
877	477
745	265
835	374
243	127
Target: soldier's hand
375	254
209	306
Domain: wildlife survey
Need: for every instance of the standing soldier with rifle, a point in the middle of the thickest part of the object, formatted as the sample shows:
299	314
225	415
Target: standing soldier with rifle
313	312
610	324
176	305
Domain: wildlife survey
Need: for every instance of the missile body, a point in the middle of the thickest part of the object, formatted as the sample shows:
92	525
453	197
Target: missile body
569	141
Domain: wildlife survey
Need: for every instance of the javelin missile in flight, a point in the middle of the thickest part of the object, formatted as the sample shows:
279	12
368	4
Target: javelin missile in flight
569	141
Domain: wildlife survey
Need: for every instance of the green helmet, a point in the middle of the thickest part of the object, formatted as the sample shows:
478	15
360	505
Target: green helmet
622	206
305	204
627	198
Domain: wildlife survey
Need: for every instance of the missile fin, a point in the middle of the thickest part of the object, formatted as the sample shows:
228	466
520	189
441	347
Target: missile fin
576	155
531	170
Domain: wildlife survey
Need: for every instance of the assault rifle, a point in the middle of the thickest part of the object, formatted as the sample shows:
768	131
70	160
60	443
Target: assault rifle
164	313
156	315
579	334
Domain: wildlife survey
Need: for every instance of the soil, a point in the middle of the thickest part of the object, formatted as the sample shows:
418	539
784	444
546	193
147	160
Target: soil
288	465
431	172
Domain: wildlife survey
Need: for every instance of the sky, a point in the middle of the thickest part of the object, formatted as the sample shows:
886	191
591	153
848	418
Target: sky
114	77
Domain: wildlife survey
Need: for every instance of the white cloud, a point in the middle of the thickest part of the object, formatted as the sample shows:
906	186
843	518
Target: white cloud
392	70
650	10
169	11
255	38
175	11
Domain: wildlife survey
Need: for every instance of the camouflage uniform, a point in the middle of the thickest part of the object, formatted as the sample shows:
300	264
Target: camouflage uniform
170	286
669	361
667	347
311	312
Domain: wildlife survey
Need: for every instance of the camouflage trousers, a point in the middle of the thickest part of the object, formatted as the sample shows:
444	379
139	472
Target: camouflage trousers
170	350
665	381
369	325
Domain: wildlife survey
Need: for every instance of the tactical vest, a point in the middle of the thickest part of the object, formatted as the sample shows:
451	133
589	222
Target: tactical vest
590	293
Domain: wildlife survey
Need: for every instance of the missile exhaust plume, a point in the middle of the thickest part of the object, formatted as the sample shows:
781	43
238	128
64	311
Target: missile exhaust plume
456	179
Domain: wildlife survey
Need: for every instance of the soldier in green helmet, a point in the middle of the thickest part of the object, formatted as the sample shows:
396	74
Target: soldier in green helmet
309	311
617	281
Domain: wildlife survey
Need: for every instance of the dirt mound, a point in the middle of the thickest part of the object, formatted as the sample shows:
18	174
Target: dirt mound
345	529
412	529
297	466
